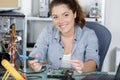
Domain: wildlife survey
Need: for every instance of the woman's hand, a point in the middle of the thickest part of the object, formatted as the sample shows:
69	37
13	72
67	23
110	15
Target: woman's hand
77	65
35	65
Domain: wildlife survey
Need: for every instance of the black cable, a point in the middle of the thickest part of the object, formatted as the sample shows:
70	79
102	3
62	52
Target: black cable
33	77
32	72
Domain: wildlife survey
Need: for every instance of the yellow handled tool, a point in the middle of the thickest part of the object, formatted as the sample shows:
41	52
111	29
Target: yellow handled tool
11	71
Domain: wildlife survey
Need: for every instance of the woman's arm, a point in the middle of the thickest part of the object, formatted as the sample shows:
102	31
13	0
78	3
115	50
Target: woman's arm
89	66
80	66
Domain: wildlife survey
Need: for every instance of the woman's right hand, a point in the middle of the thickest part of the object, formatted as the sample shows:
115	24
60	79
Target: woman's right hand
35	65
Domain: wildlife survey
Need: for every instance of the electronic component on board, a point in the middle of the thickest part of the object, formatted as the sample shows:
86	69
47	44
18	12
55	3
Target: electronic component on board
61	74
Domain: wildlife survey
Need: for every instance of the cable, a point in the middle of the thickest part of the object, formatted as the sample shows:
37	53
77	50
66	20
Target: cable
33	77
32	72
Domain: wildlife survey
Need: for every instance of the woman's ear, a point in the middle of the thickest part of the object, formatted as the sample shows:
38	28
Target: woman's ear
75	15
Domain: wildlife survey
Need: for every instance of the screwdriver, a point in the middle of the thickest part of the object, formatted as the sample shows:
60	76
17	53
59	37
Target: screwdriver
37	59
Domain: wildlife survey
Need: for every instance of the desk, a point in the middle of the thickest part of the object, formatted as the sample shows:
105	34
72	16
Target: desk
31	75
51	73
43	75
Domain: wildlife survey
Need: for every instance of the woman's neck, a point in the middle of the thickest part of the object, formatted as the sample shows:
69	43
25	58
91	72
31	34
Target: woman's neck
68	34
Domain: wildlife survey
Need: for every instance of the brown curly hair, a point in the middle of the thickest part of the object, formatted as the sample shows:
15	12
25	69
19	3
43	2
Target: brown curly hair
74	6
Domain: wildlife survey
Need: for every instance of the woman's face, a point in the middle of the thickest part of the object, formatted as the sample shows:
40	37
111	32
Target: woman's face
63	18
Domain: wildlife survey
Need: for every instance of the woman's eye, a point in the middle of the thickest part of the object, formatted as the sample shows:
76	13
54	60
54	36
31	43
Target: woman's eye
54	17
66	15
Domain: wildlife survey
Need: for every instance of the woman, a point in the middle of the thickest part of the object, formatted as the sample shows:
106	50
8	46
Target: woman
68	43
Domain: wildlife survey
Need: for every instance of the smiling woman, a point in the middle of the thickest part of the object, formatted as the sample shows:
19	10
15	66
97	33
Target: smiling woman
73	6
68	41
63	19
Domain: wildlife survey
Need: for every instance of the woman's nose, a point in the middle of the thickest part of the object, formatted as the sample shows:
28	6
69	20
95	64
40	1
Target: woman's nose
61	20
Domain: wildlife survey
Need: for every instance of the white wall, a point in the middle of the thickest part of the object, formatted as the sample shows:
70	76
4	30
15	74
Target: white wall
26	7
112	22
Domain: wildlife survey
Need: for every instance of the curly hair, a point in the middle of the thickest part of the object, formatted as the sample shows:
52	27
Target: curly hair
74	6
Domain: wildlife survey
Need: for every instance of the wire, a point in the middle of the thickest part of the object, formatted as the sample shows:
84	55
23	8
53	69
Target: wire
33	77
32	72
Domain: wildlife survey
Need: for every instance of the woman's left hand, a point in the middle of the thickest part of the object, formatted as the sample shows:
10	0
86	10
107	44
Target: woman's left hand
77	65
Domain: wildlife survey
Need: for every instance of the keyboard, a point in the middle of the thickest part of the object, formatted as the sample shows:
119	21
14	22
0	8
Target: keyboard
99	77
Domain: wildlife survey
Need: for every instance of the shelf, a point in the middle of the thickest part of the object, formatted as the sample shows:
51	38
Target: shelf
39	19
49	19
29	49
93	19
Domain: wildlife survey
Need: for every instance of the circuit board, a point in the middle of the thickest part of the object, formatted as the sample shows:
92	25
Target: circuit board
63	74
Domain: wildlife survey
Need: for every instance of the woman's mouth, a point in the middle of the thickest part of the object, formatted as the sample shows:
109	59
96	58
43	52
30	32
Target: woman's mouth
62	26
